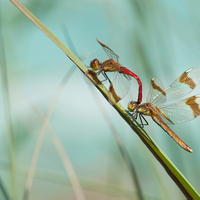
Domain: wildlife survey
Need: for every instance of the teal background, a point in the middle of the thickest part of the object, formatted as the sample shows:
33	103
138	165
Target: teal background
152	38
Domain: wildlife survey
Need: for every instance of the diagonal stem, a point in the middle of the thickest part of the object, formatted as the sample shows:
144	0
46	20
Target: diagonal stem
121	147
173	172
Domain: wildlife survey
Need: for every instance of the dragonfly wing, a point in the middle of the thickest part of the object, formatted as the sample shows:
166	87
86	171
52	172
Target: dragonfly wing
113	98
109	52
156	93
182	111
121	84
180	87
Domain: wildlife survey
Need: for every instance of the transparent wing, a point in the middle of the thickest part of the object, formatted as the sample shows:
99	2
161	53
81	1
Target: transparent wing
109	52
113	98
121	84
125	71
179	88
156	89
182	111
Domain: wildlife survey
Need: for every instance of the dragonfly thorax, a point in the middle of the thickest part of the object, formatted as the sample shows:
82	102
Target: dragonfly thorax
144	109
110	66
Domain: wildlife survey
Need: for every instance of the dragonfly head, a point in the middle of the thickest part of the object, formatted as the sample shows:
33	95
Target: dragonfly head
94	64
132	105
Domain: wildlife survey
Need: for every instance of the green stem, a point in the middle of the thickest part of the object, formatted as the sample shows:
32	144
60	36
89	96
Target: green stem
173	172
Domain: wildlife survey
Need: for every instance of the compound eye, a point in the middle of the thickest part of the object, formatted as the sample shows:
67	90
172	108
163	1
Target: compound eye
94	64
132	105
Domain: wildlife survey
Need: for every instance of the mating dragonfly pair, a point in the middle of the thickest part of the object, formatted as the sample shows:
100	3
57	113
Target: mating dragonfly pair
163	114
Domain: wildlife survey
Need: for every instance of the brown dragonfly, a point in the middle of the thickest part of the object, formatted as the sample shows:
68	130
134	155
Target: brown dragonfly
120	84
165	114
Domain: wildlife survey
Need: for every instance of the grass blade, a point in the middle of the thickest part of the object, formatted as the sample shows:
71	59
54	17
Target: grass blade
8	118
173	172
61	151
121	147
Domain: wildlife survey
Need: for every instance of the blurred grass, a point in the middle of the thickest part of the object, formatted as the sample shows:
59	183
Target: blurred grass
60	149
182	183
8	118
111	126
121	147
159	42
57	143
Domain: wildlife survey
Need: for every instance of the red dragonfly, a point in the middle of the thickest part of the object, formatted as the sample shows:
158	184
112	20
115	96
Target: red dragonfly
174	113
120	84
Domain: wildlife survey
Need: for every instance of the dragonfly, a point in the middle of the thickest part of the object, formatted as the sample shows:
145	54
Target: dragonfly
165	113
120	84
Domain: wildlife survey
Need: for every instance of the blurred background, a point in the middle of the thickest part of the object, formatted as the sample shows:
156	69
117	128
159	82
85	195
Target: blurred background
152	38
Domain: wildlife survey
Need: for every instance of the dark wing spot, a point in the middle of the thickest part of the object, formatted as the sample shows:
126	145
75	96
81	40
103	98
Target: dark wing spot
186	80
113	95
155	87
191	101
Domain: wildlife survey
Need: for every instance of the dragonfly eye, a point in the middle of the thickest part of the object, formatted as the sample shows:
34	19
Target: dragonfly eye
94	64
132	105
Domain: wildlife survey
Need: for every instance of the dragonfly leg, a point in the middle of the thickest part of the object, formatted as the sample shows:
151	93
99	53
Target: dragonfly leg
134	116
142	120
105	76
131	115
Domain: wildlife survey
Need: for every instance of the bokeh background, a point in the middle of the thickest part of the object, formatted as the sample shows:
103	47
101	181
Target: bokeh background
152	38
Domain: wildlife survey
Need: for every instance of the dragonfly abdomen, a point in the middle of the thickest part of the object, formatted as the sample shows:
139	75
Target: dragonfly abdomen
124	70
161	123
